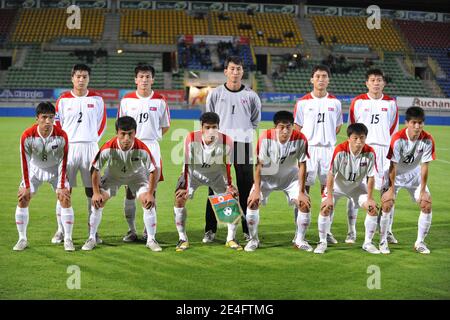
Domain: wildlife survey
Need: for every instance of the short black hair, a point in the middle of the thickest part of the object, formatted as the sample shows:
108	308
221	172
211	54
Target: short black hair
235	59
126	123
375	72
357	128
283	116
321	67
415	113
210	118
144	68
81	67
45	107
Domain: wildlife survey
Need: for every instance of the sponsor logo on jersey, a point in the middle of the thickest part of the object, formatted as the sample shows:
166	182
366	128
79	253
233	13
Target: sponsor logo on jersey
363	164
330	109
90	105
244	102
420	150
135	159
384	109
153	109
54	147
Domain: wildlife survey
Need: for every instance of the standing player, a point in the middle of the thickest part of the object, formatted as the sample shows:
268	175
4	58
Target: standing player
379	113
410	152
353	162
207	163
319	117
281	165
127	161
239	109
81	113
43	153
152	116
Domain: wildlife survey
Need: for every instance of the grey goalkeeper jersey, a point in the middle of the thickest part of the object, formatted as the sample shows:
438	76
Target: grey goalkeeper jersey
239	111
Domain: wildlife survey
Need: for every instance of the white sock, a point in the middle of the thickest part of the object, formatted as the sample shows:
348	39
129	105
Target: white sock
150	223
331	221
94	221
58	216
424	225
67	219
129	208
391	219
252	218
371	226
231	231
352	215
180	222
303	221
22	217
384	225
324	227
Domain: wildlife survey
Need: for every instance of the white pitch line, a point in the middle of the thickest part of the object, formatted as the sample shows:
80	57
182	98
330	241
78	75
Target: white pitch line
445	161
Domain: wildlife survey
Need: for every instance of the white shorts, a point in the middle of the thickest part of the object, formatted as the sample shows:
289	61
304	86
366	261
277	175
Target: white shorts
38	176
155	150
358	195
80	157
290	189
218	184
318	164
382	165
137	184
411	182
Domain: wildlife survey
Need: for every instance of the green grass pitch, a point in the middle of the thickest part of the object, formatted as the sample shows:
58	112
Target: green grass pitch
116	270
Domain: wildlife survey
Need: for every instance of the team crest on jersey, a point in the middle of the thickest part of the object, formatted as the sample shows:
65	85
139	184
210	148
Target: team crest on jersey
90	105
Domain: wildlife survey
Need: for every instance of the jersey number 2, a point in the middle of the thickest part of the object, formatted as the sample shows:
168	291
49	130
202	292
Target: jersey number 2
80	118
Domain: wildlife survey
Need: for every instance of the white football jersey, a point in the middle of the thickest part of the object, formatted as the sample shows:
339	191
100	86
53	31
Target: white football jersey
204	161
380	116
410	154
151	114
44	153
319	118
281	160
349	170
122	165
82	118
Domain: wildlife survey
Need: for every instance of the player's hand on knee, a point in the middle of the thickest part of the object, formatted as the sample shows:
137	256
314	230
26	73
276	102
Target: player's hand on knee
97	200
24	194
63	194
327	205
253	200
388	196
304	200
181	194
425	201
148	200
372	206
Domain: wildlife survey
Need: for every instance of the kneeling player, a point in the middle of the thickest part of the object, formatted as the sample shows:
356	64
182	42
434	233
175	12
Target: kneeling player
353	162
207	163
282	153
410	152
43	153
127	161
